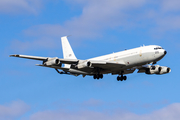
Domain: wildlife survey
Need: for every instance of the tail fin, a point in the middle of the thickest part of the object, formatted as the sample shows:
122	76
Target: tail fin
67	50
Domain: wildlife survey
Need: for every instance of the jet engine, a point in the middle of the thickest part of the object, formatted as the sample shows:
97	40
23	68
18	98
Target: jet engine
158	70
153	70
83	64
52	61
164	70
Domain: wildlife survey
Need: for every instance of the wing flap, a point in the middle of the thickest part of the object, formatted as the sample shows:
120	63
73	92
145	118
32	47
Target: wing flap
72	71
53	66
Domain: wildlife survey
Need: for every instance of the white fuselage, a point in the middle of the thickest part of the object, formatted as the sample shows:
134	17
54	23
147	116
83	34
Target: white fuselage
135	57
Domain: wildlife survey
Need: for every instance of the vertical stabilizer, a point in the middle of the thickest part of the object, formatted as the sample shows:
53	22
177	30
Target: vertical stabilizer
67	50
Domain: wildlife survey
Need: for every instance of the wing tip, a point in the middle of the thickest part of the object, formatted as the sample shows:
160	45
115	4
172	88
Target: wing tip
14	55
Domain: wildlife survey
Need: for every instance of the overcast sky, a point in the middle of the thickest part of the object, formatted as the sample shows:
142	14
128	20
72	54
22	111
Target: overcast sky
97	27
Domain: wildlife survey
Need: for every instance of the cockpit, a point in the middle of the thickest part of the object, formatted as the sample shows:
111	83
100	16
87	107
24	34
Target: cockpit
156	48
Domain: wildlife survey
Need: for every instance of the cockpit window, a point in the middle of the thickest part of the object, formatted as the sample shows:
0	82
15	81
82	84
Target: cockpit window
158	48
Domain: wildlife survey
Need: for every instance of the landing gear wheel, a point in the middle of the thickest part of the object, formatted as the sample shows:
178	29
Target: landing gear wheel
101	76
125	78
95	76
121	78
98	76
118	78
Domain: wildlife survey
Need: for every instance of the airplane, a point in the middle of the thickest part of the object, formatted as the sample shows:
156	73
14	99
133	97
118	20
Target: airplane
120	63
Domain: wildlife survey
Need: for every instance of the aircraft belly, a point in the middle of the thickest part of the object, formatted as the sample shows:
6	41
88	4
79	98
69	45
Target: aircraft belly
87	70
75	71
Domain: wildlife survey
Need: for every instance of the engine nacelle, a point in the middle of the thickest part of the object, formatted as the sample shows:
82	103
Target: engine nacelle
153	70
83	64
164	70
52	61
158	70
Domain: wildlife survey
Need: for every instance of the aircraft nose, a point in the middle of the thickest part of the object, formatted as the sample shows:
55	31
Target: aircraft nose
165	52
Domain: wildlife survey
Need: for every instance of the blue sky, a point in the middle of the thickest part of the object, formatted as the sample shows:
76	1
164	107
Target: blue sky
34	27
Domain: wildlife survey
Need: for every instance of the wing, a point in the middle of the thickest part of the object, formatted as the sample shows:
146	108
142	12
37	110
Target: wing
55	63
54	66
107	64
143	68
64	61
125	71
30	57
114	67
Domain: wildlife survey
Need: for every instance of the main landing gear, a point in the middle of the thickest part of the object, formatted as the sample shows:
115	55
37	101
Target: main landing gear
98	76
121	78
